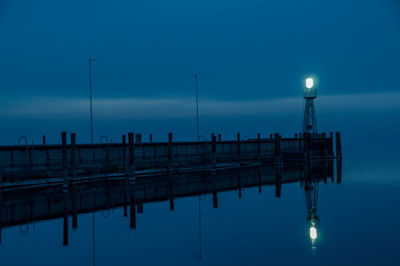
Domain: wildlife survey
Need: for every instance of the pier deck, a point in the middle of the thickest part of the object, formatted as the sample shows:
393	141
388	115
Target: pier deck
69	162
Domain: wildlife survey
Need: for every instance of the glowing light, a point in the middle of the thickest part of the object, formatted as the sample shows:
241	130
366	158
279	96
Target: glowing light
309	83
313	233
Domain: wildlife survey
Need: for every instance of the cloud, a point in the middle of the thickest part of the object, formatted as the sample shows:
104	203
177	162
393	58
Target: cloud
76	108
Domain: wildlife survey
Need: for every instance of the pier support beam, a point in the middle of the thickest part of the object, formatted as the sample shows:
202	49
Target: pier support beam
170	163
213	152
73	155
278	152
64	158
259	180
123	147
131	163
238	146
258	147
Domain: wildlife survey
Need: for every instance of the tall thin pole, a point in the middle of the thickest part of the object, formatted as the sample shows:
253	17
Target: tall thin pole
196	83
200	244
93	237
91	103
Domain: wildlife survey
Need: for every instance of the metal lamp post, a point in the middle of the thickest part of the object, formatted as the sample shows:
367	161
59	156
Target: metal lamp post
196	84
91	102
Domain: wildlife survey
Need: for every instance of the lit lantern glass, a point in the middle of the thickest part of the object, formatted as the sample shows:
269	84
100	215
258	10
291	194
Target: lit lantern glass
309	83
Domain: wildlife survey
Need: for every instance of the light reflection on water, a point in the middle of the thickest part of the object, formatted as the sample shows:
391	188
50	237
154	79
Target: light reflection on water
354	224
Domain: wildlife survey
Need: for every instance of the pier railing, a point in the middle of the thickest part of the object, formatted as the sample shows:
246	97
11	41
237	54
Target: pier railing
68	161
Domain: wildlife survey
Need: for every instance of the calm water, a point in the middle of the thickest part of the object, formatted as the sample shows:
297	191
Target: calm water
358	225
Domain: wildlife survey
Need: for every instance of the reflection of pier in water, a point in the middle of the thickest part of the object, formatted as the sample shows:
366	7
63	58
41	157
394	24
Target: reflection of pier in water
24	206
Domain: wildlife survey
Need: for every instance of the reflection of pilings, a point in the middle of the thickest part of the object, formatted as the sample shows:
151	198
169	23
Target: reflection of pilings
125	202
1	211
74	207
259	180
1	173
278	182
339	170
239	184
214	195
132	206
65	231
171	197
338	145
258	147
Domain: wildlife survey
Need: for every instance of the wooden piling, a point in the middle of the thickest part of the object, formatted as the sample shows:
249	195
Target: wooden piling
169	151
259	180
64	158
214	151
278	152
219	138
151	138
338	145
258	147
123	147
44	139
131	163
238	146
73	155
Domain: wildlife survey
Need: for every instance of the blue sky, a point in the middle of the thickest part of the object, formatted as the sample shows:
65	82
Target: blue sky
240	49
251	57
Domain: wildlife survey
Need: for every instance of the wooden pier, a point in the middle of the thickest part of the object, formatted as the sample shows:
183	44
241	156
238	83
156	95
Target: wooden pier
28	165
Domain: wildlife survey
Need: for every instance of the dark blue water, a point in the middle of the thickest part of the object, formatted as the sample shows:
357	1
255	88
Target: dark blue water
358	225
